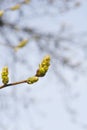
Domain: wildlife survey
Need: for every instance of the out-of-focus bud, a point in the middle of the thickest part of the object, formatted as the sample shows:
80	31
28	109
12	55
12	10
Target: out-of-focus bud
1	13
21	44
15	7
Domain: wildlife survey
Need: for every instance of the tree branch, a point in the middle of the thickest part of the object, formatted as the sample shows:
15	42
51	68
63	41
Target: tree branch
14	83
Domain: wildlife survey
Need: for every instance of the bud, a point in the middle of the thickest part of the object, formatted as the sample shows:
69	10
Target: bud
21	44
43	67
32	80
1	13
4	75
15	7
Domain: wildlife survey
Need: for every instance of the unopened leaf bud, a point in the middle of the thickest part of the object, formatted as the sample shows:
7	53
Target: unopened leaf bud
32	80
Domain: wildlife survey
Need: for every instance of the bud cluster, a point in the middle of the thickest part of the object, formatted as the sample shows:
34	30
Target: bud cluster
43	68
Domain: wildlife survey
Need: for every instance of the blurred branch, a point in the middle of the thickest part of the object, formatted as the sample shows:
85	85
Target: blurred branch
45	41
15	7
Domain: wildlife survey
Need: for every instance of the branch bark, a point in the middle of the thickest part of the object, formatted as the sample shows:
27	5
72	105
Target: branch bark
12	84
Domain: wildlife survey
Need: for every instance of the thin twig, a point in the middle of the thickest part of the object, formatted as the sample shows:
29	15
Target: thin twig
14	83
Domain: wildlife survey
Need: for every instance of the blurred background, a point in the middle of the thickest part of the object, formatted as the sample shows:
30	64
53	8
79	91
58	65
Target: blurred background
58	100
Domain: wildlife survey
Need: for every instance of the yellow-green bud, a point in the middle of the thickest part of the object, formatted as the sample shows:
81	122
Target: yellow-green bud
5	80
4	75
1	13
21	44
41	72
32	80
15	7
43	67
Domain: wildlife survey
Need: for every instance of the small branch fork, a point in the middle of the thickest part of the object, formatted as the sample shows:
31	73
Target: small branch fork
41	71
